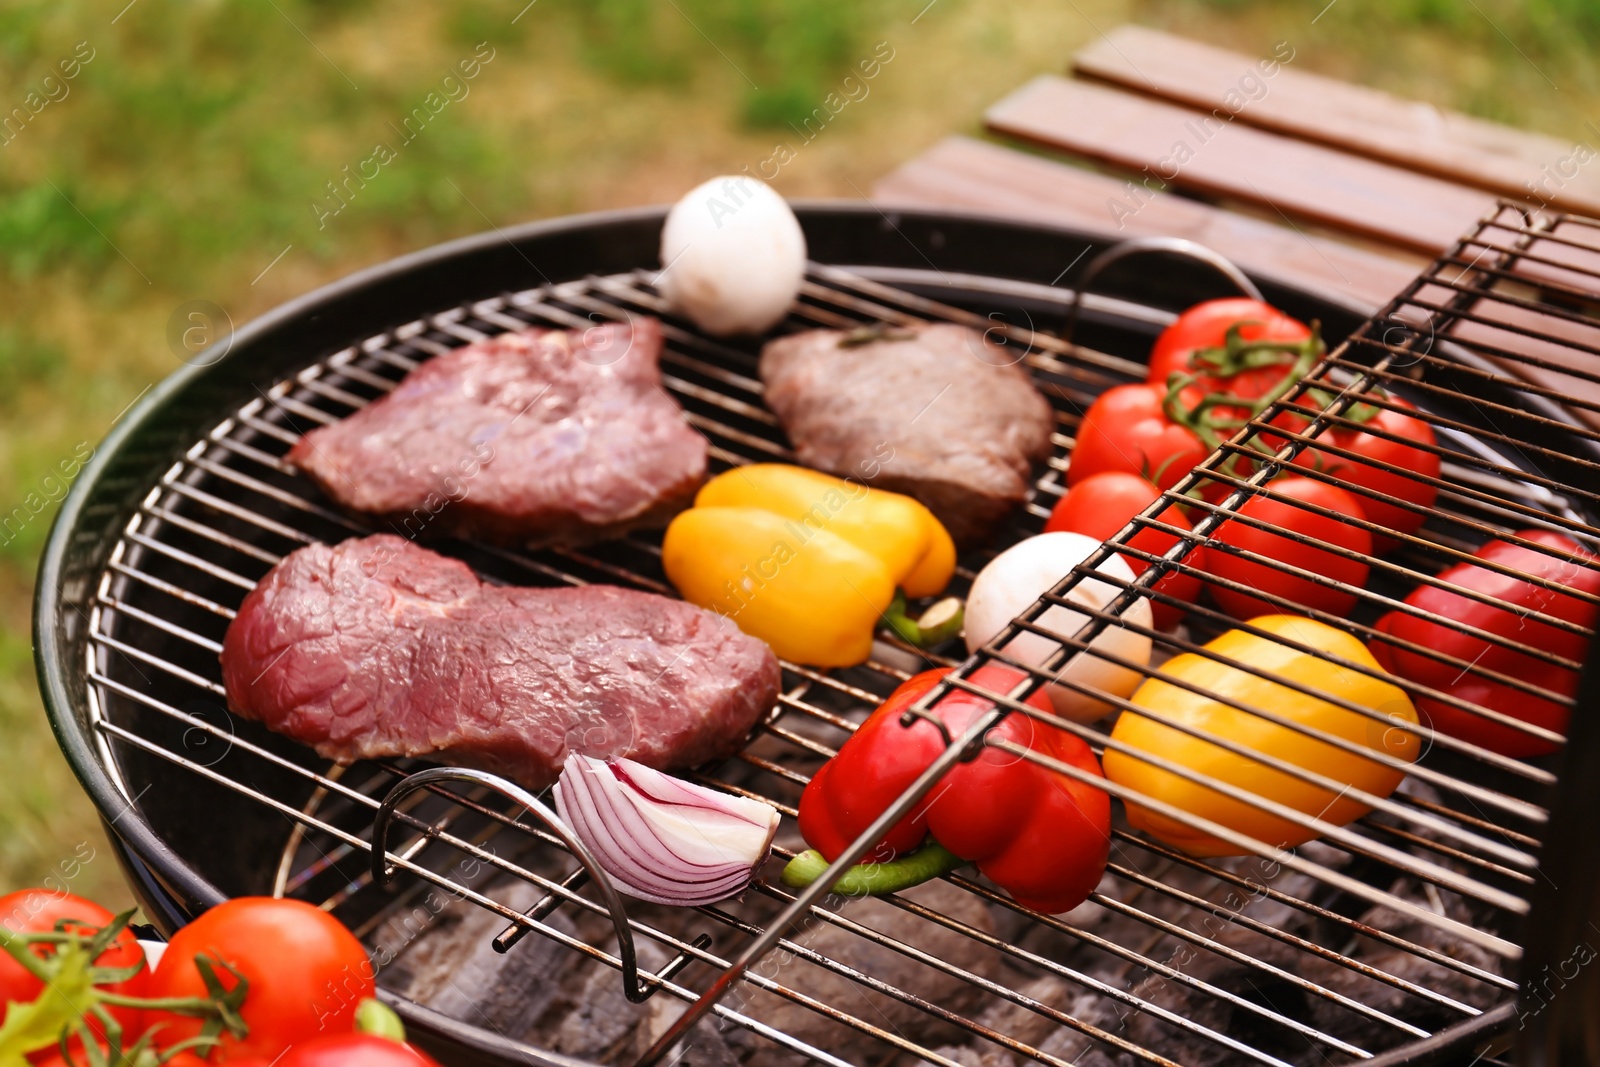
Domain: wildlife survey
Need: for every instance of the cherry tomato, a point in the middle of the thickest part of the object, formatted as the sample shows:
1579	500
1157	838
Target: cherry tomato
1206	326
1102	504
354	1050
38	910
307	974
1368	445
1509	619
1126	429
1285	515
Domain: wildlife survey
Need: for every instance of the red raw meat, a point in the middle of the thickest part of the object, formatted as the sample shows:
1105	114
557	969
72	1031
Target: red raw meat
378	648
539	435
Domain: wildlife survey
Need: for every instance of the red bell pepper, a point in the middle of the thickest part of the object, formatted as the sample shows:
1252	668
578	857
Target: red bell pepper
1038	834
1508	618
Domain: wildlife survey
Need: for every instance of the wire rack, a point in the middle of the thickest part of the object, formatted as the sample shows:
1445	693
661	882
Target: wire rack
1380	934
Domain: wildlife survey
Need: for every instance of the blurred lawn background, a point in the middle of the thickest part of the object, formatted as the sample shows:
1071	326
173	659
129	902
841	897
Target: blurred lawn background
189	151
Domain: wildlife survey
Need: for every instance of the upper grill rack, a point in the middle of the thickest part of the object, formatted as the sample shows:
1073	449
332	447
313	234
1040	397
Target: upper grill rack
1449	856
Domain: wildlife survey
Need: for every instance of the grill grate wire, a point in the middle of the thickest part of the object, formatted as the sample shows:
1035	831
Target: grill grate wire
1451	852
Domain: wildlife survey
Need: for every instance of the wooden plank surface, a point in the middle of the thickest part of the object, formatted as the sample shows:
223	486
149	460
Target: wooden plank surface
1409	133
1569	261
1193	150
963	173
1578	391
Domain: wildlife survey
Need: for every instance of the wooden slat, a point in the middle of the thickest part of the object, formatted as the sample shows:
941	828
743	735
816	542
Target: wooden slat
963	173
1232	160
1408	133
1580	395
1577	344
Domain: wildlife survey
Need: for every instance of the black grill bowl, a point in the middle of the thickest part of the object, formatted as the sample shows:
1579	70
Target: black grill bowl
188	842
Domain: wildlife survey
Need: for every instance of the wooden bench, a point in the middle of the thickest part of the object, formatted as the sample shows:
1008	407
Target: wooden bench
976	175
1354	119
1325	185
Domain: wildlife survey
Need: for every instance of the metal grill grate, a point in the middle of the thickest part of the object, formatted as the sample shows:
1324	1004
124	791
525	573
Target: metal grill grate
1379	935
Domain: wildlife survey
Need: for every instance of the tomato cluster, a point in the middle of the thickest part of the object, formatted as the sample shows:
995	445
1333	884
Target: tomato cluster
1302	540
30	911
1217	365
254	937
283	981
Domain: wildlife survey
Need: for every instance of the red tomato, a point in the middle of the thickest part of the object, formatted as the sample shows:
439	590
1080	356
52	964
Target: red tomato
354	1050
1206	326
1282	514
37	910
307	974
1102	504
1127	430
1368	445
1510	622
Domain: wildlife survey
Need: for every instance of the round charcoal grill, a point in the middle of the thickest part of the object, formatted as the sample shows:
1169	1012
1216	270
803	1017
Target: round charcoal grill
1398	938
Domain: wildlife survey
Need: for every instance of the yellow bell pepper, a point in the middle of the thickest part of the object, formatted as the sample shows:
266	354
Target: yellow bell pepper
805	561
1215	715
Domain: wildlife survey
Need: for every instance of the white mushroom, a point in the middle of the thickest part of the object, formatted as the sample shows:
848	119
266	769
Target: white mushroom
1018	576
732	255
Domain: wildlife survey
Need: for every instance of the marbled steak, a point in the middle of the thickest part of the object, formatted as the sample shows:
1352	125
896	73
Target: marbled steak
378	648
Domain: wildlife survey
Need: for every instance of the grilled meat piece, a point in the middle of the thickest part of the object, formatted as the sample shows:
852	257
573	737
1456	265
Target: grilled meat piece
544	435
937	412
378	648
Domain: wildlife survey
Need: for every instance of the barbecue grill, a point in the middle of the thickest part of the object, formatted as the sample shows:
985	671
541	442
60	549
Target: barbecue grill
1398	938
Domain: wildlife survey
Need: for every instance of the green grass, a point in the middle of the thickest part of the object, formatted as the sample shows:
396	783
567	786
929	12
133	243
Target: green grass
190	150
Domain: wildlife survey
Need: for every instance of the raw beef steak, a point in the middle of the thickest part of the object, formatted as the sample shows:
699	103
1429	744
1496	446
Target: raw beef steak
937	412
539	435
378	648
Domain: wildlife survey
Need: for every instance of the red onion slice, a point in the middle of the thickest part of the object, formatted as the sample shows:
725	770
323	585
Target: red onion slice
660	838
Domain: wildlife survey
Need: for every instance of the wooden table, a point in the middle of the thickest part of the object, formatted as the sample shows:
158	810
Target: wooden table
1329	186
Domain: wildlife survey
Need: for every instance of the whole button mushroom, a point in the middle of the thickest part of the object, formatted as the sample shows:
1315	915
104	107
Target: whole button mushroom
732	256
